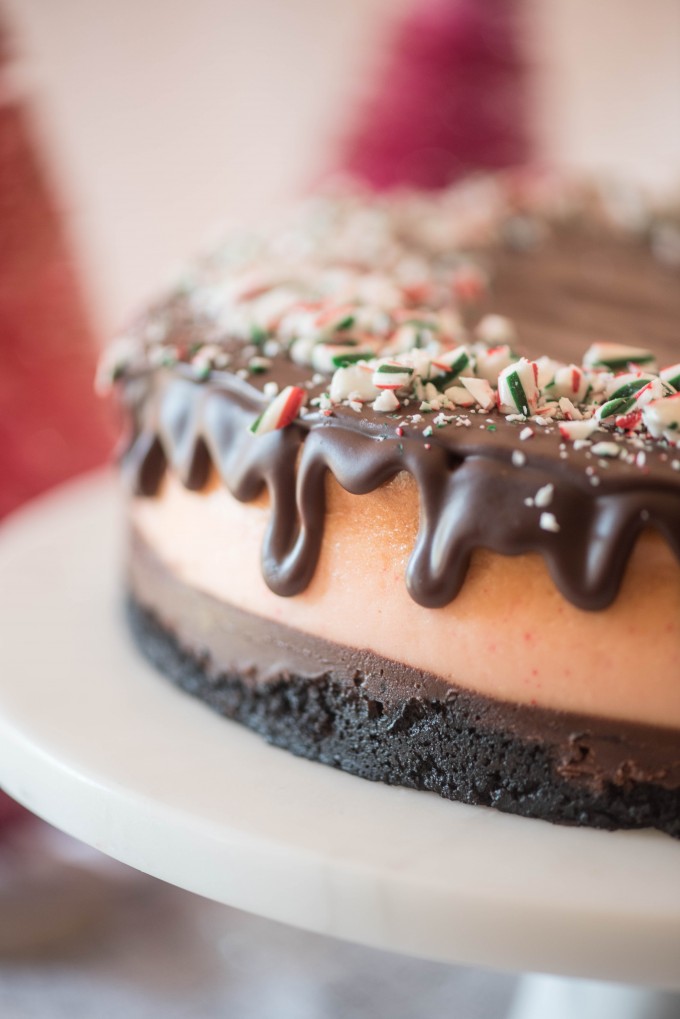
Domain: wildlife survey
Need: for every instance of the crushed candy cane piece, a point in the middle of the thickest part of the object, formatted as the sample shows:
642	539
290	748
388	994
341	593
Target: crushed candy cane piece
547	522
574	430
354	380
662	418
544	495
617	357
570	382
518	387
281	412
392	375
481	390
607	449
671	375
386	402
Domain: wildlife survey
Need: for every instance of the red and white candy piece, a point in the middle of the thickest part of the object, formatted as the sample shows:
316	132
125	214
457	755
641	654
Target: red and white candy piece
662	418
570	382
518	388
574	431
281	412
480	390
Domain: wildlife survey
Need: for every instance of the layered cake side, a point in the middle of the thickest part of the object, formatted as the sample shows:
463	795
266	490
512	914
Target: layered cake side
367	527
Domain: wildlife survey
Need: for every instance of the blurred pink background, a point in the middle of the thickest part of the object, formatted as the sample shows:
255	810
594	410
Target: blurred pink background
159	120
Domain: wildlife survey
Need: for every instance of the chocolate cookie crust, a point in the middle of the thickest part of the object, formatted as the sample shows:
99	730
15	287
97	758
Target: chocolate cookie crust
437	745
388	722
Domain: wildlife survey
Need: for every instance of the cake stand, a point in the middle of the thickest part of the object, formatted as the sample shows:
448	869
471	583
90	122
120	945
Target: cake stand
96	742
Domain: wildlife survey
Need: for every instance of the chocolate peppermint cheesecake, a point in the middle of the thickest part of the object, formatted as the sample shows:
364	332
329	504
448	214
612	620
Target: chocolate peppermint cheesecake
405	492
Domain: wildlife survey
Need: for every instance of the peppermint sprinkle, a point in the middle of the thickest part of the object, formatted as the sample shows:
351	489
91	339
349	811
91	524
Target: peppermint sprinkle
547	522
518	458
387	401
607	449
526	433
544	496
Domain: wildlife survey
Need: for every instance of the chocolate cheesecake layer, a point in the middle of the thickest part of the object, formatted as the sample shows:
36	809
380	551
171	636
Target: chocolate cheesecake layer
385	721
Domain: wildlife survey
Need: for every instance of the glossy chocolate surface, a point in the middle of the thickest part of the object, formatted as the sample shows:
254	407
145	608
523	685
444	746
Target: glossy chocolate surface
472	492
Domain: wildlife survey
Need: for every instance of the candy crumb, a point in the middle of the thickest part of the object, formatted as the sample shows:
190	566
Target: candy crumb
548	522
544	495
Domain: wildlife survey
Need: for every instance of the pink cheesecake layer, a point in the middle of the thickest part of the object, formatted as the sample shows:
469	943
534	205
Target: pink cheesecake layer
509	634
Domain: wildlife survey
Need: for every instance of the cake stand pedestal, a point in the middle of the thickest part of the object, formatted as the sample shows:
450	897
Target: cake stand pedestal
96	742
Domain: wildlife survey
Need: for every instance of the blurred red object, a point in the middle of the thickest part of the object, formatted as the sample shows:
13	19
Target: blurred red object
450	98
51	424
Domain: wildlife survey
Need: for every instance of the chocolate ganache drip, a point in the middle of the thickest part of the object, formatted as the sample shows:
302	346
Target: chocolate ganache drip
471	493
571	461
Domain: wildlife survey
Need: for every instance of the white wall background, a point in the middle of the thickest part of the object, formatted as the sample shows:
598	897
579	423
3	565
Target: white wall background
160	117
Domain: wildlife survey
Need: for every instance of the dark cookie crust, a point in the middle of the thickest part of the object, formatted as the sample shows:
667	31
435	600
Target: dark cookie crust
435	745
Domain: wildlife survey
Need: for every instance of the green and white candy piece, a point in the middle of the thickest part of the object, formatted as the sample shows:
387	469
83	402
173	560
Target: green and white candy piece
492	361
392	375
326	357
662	418
671	375
627	384
616	357
651	389
518	388
354	381
450	364
280	412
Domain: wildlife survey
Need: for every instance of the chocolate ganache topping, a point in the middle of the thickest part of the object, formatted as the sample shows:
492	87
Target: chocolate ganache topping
374	336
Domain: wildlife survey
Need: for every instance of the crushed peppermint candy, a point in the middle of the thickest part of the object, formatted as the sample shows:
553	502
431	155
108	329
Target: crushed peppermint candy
617	357
662	418
383	308
281	412
544	495
547	522
386	402
518	390
606	449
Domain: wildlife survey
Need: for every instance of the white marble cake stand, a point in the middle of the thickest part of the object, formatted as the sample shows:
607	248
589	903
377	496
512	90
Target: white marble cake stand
97	743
